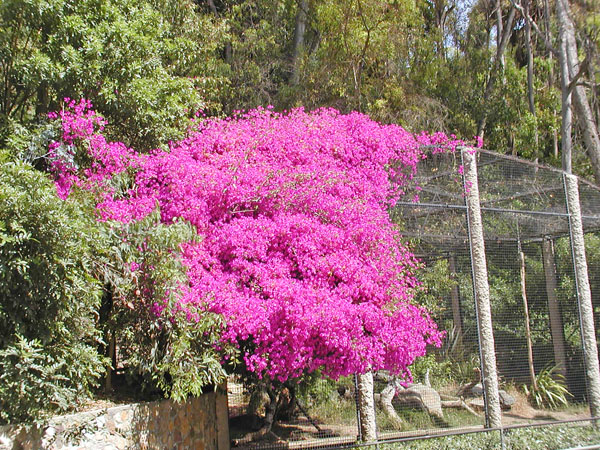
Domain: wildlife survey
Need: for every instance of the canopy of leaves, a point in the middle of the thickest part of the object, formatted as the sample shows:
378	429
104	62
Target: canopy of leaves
148	65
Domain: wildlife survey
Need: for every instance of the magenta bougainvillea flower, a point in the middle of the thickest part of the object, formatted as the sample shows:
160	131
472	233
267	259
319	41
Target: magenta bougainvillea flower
295	246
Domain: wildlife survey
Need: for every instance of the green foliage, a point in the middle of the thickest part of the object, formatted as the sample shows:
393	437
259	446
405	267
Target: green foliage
437	283
454	368
48	297
543	438
551	389
188	361
168	349
260	33
314	390
146	65
54	259
36	380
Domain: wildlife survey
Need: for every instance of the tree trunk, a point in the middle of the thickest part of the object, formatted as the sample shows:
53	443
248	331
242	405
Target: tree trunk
527	328
565	79
556	322
455	297
496	67
228	47
481	290
270	412
112	355
366	407
584	295
569	54
212	7
299	33
43	98
385	399
530	94
550	56
589	130
530	90
459	403
499	32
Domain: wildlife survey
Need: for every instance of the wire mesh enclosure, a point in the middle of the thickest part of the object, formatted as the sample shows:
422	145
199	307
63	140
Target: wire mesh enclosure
323	414
536	315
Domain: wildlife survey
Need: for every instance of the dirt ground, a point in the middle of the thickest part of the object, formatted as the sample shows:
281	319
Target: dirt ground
301	431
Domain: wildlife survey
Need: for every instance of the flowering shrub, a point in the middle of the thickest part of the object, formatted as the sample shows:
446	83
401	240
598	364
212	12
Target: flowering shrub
295	247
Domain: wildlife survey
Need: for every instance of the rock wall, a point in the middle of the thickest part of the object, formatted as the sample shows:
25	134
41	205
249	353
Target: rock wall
198	423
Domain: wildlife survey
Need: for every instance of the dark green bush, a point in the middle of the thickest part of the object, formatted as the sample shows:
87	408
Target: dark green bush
48	298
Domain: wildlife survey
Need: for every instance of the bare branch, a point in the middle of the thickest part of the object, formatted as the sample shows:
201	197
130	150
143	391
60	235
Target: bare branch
530	20
583	67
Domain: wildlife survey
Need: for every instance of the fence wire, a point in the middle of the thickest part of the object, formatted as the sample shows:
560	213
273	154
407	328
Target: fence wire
536	322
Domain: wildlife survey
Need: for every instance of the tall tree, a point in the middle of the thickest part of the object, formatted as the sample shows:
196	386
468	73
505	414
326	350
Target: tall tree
299	34
573	93
504	33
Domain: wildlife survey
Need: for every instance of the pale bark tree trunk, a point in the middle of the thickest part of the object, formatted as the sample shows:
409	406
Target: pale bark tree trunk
442	11
550	56
481	289
556	322
530	93
589	129
385	399
366	407
499	33
565	80
299	33
584	295
530	88
570	68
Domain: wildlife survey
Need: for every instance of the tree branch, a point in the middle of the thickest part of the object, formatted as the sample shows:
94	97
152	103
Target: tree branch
530	20
583	67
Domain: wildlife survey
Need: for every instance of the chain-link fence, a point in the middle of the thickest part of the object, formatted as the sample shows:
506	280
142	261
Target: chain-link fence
535	314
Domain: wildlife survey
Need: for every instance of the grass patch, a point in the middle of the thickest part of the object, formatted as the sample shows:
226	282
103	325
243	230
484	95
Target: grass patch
551	437
340	411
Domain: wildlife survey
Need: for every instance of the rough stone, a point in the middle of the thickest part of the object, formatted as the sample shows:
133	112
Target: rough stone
424	397
155	425
506	400
477	390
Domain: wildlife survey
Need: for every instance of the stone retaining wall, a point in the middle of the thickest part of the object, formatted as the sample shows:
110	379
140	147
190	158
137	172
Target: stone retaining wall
198	423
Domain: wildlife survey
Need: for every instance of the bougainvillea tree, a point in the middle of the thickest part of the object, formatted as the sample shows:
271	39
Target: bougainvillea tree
294	245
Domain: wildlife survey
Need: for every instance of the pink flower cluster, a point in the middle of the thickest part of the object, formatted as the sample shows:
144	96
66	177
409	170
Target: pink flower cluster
82	126
296	249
